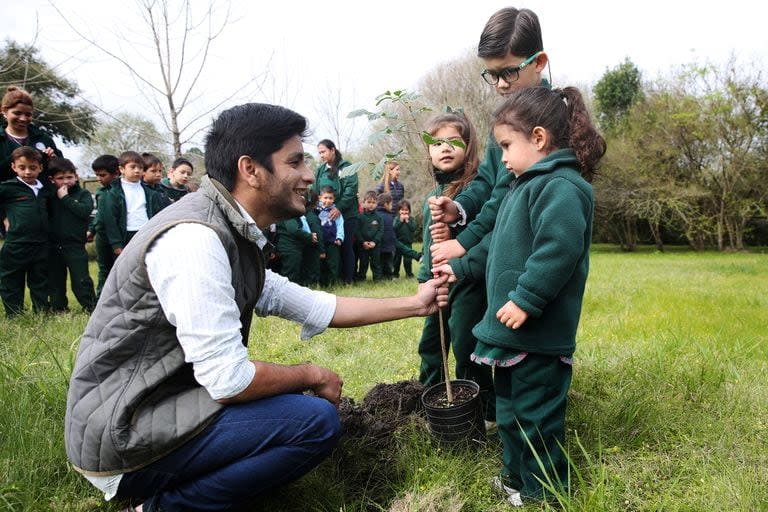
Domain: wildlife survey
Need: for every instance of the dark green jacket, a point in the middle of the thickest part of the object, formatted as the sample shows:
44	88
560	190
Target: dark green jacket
346	189
70	216
27	214
538	258
173	193
314	225
113	214
404	230
370	228
482	197
291	237
96	225
36	135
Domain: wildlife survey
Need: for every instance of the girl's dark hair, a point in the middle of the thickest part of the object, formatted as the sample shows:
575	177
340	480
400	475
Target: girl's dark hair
333	166
182	161
510	30
563	114
404	203
469	137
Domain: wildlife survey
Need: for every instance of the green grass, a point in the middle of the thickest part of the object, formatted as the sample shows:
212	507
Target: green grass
668	408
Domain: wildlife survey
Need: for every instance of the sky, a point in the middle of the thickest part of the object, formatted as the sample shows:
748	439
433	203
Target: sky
303	51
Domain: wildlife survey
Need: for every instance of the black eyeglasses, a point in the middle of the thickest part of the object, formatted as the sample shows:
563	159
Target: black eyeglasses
509	75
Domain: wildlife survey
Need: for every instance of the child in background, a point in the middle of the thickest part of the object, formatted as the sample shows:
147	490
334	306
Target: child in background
128	204
153	174
404	227
369	233
387	248
310	267
176	184
538	257
292	238
333	237
391	184
70	213
107	169
24	256
453	164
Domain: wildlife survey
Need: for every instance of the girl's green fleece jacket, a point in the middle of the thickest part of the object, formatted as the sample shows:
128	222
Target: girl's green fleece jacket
538	257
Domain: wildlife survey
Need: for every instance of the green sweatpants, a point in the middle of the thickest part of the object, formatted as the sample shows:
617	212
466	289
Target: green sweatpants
531	399
20	263
466	306
105	258
75	259
330	267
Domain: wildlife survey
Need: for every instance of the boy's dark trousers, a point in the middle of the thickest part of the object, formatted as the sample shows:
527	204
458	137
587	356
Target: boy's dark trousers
406	262
331	265
466	303
20	262
372	257
72	257
290	262
105	257
386	258
311	266
531	399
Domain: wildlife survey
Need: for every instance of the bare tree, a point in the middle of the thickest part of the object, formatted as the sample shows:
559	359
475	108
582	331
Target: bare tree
181	42
329	108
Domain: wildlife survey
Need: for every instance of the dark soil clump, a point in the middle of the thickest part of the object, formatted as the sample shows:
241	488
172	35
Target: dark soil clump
461	394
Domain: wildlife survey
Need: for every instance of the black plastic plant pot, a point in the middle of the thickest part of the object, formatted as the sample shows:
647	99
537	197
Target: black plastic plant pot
458	422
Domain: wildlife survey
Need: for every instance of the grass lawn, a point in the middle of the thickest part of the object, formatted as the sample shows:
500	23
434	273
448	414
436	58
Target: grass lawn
668	408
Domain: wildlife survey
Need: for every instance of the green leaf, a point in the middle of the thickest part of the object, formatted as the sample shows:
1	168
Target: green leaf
351	169
378	170
359	112
428	138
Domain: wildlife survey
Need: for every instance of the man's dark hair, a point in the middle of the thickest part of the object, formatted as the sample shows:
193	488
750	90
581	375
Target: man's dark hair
108	163
510	30
256	130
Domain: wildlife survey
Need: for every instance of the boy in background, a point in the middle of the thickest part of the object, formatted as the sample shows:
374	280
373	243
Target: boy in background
24	205
292	238
404	227
153	175
369	232
176	184
387	248
70	212
128	204
107	170
310	267
333	237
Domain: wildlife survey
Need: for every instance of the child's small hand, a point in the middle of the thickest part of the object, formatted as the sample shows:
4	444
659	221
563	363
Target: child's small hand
62	191
440	232
444	270
88	236
118	252
443	209
404	217
337	242
322	255
314	238
445	251
511	315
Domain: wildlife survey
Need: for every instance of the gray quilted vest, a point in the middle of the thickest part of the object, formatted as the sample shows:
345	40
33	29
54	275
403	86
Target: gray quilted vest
132	398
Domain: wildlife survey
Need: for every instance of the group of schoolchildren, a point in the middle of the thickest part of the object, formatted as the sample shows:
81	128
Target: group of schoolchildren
308	248
48	219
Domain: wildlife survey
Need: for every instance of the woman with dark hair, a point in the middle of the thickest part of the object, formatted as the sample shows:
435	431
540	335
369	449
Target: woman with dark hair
346	201
18	130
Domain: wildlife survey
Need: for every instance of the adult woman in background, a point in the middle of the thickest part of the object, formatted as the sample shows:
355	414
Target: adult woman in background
346	201
17	108
391	184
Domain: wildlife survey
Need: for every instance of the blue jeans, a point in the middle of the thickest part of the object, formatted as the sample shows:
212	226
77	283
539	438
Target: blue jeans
248	449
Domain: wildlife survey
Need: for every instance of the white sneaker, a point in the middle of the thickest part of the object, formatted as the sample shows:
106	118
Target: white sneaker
513	495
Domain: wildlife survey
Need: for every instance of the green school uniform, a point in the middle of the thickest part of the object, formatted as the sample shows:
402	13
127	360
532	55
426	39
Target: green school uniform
538	256
403	246
291	241
173	193
24	254
114	215
105	256
311	275
37	139
69	224
345	188
370	228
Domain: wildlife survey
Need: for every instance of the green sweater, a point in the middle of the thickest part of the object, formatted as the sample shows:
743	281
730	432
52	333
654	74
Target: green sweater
346	189
27	214
113	215
370	228
36	136
173	193
70	216
404	230
538	258
314	226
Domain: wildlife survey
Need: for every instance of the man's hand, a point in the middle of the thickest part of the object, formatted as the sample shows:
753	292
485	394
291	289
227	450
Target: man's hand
334	213
62	191
440	232
511	315
444	251
443	209
444	271
433	295
328	385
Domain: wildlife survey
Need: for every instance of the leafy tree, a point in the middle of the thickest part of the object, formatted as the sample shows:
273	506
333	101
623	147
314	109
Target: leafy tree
616	92
126	132
58	109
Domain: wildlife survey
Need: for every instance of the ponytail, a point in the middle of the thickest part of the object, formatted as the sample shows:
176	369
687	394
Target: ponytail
584	139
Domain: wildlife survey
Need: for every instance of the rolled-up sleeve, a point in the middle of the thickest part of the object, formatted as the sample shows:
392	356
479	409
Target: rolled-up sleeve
312	309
